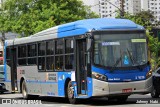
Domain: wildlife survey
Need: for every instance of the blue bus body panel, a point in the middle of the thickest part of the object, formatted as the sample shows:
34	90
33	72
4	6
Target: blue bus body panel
83	26
62	76
90	86
123	75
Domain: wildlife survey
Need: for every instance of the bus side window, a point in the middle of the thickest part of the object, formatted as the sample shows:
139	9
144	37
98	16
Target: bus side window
59	44
32	54
22	55
69	55
41	55
50	55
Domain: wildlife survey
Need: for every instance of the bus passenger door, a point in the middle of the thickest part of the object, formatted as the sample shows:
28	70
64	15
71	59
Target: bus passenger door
81	67
14	69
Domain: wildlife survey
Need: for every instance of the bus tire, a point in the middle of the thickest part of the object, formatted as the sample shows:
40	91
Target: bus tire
154	93
25	92
70	93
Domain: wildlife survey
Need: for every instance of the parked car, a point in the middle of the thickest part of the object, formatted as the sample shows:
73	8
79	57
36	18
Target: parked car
156	84
2	77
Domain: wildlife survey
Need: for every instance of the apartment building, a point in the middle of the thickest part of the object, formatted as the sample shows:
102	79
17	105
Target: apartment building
154	6
109	8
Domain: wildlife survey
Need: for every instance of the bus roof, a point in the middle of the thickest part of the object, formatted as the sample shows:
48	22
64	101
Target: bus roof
86	25
80	27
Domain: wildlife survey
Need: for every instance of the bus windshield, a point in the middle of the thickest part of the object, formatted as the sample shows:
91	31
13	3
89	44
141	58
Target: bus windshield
122	49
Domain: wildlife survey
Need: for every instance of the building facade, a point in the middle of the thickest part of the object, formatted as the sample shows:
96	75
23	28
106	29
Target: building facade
132	6
109	8
154	6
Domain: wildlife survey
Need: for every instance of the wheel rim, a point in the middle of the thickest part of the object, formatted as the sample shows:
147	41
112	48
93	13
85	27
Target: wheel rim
70	91
24	93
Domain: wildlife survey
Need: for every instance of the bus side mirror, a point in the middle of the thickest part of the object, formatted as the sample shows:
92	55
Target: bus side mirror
89	43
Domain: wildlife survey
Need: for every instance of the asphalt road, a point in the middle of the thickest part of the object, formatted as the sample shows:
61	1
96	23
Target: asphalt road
133	101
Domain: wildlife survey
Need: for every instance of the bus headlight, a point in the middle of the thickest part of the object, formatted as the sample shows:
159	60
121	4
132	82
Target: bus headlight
99	76
149	74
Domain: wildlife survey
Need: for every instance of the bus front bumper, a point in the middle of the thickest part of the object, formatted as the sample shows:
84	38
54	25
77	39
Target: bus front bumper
101	88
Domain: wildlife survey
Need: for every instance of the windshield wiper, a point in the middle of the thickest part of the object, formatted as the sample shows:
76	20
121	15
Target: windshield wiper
117	62
133	59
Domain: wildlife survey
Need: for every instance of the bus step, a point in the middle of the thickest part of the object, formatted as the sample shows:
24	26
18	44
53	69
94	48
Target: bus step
82	95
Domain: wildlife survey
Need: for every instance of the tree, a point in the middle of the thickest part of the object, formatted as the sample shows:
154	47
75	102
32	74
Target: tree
32	16
146	19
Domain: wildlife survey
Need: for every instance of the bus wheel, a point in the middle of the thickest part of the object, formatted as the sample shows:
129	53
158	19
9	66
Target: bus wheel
25	93
154	93
70	93
24	90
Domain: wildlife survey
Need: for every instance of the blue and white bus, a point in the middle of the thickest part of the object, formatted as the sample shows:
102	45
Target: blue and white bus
100	57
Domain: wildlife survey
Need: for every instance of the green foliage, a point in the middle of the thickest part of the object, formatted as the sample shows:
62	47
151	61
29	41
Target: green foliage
146	19
32	16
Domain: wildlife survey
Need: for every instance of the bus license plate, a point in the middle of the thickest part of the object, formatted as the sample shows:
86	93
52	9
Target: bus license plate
127	90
